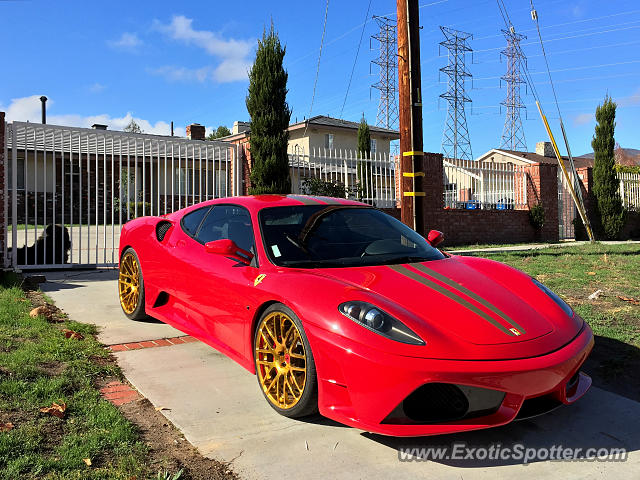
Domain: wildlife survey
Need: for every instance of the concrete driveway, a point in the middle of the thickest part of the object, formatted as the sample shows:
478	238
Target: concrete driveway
219	408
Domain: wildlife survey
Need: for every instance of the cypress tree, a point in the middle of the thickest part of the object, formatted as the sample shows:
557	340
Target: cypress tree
270	114
364	168
605	183
364	138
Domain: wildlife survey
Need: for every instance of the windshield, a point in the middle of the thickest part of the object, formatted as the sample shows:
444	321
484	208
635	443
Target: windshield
313	236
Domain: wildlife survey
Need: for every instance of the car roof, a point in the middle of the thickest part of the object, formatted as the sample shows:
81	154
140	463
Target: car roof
258	202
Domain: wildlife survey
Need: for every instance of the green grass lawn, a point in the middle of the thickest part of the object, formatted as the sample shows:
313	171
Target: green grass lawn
575	273
479	246
38	366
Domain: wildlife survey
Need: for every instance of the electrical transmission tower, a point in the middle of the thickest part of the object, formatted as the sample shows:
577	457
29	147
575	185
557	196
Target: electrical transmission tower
513	133
388	83
455	139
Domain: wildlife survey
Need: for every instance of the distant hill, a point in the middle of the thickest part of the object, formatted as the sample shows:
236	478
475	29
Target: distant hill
624	156
632	152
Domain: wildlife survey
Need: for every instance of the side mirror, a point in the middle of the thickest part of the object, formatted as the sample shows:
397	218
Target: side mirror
228	248
435	238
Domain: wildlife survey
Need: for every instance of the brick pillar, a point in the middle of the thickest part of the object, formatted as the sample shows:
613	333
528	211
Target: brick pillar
2	199
245	158
542	188
585	175
433	187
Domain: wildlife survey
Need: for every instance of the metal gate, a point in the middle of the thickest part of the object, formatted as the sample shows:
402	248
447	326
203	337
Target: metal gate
69	190
567	211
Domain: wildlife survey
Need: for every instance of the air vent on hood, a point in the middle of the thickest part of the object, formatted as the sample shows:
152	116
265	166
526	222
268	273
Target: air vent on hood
161	229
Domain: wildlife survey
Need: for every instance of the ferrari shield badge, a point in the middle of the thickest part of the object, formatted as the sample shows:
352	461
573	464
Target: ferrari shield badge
258	279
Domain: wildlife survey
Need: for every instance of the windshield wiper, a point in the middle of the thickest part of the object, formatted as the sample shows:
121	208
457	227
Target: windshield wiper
315	263
405	259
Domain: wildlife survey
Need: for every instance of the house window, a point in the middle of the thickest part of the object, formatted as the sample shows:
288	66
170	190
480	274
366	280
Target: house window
20	173
374	145
193	182
328	140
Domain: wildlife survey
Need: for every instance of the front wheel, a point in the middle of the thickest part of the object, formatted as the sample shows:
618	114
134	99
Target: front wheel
131	286
284	363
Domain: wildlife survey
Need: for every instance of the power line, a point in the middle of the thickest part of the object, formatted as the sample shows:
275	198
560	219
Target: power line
569	37
629	12
315	83
355	60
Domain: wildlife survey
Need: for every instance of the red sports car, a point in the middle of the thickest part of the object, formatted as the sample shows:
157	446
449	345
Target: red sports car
340	308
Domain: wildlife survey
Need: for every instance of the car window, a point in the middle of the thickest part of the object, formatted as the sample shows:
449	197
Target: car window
191	221
310	236
227	221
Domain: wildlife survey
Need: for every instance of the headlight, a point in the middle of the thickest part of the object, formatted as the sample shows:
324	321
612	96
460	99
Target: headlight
561	303
371	317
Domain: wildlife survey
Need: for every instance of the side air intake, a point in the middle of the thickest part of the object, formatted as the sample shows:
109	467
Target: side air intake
162	228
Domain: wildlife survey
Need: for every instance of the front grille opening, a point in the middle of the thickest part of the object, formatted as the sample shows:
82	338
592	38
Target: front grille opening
162	228
436	402
532	407
445	402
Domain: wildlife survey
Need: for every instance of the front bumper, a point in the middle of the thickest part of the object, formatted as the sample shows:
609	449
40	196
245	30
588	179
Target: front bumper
361	387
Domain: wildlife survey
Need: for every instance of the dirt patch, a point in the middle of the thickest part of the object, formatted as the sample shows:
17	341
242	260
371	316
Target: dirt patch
52	368
168	448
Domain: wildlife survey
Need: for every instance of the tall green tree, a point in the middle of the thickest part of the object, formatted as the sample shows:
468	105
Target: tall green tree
221	131
364	138
610	211
365	187
270	115
133	127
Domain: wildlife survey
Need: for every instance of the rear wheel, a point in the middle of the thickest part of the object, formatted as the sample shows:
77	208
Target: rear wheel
285	368
131	286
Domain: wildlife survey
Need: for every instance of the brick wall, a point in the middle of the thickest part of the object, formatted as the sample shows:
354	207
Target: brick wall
489	226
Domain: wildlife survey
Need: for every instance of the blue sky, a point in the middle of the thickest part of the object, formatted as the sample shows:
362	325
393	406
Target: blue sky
160	61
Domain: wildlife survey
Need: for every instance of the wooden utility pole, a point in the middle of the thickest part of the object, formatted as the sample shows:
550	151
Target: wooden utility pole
410	92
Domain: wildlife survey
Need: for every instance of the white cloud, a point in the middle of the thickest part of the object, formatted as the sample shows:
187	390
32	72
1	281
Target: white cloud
583	118
97	87
233	54
28	109
183	74
127	41
633	99
231	70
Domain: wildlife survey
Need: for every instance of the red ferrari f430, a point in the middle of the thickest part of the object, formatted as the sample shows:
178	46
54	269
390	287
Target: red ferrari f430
340	308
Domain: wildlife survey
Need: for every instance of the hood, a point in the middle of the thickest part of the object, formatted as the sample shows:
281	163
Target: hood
478	301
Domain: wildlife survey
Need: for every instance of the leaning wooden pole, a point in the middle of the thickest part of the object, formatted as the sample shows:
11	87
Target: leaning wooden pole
410	93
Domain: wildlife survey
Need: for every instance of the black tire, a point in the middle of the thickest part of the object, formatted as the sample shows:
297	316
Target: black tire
308	402
138	313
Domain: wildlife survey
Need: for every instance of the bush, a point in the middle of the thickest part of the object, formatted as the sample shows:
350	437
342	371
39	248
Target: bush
326	188
536	217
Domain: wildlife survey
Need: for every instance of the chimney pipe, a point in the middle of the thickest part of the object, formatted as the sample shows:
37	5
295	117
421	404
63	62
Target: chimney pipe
43	99
172	128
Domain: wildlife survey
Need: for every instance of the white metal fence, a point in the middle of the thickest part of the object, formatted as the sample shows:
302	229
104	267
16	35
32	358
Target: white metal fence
345	173
70	190
469	184
630	190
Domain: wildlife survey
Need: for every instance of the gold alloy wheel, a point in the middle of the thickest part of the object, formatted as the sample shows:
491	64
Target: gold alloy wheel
281	360
129	283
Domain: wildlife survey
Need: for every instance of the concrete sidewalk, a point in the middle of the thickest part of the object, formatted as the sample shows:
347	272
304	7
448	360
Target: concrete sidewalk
220	409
